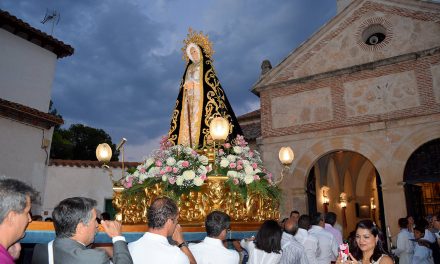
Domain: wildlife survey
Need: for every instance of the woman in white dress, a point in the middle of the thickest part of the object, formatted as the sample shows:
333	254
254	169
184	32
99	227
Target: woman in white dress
266	247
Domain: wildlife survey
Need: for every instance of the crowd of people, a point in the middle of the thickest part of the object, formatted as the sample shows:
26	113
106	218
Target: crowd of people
300	239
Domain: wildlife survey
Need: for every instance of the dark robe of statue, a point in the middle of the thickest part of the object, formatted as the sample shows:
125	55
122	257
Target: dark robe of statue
202	96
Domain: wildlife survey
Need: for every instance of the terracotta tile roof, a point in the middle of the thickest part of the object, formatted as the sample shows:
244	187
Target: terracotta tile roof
28	115
90	163
22	29
250	116
251	131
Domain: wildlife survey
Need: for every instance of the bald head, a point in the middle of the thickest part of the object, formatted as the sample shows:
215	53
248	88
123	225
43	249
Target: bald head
290	226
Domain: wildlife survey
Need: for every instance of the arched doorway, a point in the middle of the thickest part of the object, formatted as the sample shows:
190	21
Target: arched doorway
348	184
422	180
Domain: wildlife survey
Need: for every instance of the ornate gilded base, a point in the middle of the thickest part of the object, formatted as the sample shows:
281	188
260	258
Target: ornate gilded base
215	195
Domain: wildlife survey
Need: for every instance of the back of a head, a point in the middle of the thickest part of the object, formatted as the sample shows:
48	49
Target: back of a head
330	218
160	211
268	237
13	196
290	226
403	222
216	222
304	222
316	218
70	212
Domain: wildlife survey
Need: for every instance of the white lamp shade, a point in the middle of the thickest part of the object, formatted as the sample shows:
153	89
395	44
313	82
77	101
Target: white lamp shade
104	152
219	128
286	155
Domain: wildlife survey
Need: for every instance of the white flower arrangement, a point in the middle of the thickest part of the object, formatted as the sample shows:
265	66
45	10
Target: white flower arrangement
176	168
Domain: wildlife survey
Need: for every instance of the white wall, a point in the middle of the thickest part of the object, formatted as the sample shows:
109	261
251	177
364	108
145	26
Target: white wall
21	154
64	182
26	72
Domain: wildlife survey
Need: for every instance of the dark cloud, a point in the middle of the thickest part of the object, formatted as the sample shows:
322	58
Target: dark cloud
127	66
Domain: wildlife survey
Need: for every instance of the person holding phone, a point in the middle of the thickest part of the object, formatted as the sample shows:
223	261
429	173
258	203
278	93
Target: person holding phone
368	247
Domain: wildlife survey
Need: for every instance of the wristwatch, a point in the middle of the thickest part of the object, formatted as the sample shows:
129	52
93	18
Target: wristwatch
183	244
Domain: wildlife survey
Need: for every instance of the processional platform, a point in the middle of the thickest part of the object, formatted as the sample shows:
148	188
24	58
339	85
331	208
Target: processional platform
214	195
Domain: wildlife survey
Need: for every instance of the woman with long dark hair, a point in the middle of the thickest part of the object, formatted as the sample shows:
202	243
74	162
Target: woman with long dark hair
266	248
368	246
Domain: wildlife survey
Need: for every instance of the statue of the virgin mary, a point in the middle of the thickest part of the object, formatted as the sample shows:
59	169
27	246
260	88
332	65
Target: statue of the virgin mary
201	97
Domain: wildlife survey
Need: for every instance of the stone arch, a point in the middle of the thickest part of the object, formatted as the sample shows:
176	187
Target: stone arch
411	143
323	147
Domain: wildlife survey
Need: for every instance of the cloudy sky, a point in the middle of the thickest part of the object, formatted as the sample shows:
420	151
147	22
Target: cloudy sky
124	75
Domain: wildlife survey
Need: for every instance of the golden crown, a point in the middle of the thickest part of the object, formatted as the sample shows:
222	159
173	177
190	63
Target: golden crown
199	39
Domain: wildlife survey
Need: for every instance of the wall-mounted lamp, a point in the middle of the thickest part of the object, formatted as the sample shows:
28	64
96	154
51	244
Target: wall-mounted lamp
343	203
373	209
372	204
325	198
286	156
343	200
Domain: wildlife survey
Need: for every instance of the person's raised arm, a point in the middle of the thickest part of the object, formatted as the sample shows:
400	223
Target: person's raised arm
182	244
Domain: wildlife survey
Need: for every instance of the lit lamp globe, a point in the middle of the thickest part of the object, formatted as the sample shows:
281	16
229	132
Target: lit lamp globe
219	128
286	155
104	152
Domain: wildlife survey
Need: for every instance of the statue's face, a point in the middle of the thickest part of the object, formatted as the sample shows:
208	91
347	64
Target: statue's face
194	54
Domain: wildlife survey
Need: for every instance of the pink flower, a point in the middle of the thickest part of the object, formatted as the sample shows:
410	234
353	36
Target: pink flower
142	170
158	163
208	168
232	165
162	172
175	170
221	152
185	164
254	165
240	162
172	180
256	177
168	169
128	183
270	175
251	153
239	167
227	145
203	177
194	153
235	181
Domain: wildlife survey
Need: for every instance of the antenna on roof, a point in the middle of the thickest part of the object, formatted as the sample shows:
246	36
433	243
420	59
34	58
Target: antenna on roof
53	17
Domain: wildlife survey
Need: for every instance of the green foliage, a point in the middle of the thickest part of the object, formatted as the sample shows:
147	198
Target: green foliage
79	142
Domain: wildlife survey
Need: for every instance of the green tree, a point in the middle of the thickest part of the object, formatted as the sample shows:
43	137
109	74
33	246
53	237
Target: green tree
79	142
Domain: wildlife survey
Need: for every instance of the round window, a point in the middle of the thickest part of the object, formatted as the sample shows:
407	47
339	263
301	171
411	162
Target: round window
374	34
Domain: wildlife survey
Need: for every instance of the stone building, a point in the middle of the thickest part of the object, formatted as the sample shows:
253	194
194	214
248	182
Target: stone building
27	66
359	103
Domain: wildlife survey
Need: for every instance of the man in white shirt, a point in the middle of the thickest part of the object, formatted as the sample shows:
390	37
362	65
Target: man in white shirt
153	246
328	247
330	221
293	251
211	250
309	242
405	247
